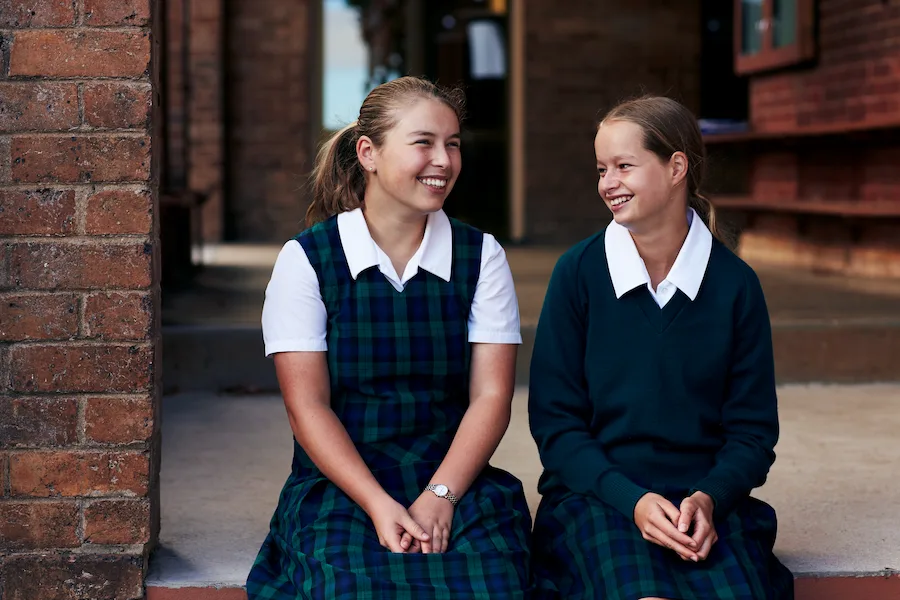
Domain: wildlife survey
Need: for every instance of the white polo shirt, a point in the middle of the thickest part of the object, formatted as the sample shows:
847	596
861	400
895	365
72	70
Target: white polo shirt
294	316
628	271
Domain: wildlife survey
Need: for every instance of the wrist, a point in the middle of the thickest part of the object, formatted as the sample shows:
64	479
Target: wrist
373	502
705	500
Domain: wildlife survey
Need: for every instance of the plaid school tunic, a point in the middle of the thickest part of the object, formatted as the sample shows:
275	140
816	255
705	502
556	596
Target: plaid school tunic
584	549
399	370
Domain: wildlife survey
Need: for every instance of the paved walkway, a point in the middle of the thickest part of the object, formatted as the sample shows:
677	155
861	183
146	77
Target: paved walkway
225	459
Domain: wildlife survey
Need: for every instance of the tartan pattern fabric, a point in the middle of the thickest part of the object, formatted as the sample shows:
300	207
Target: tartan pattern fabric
585	549
399	365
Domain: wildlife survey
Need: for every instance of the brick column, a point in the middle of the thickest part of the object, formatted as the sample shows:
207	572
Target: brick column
79	297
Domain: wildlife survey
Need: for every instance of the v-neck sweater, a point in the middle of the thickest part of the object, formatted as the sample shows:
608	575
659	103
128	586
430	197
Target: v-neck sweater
625	395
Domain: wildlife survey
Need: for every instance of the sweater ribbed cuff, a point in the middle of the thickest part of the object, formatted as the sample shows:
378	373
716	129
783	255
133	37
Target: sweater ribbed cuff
620	492
724	496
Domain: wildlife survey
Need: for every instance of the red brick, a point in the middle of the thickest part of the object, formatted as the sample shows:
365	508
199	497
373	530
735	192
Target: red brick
4	468
120	211
38	422
70	368
42	106
117	105
38	317
36	525
37	212
73	577
43	13
111	420
69	474
117	522
82	158
118	12
80	53
36	265
118	316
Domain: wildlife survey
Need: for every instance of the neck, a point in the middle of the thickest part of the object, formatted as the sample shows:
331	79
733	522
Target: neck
659	246
398	233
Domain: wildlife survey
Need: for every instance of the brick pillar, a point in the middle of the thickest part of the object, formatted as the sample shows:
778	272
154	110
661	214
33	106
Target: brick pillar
79	298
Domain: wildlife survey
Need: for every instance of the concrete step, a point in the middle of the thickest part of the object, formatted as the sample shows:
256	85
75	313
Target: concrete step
225	458
231	357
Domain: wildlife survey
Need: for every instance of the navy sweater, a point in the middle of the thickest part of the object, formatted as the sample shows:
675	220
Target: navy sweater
625	395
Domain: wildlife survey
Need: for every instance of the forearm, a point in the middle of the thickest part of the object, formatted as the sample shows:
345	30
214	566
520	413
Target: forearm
325	440
478	436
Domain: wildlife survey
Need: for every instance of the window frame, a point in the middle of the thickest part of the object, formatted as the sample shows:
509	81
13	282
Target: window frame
769	57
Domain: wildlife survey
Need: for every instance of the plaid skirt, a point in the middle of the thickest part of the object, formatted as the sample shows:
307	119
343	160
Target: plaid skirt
585	549
322	545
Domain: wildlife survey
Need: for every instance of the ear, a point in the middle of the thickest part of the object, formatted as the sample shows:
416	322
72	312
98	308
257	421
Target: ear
365	152
678	166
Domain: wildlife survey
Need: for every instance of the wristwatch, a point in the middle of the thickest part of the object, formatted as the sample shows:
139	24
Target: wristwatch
442	491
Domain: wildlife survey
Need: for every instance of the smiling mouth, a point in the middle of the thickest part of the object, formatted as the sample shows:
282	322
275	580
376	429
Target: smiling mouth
620	200
434	183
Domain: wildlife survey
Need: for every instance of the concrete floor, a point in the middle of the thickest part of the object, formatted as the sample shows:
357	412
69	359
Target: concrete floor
226	457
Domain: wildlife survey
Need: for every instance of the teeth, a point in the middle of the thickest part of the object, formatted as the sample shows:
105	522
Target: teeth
439	183
620	200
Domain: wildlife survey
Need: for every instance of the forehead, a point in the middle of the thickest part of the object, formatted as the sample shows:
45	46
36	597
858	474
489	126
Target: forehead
427	114
618	137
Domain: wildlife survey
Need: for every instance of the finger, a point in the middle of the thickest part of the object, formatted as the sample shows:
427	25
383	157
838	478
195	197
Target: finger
688	510
660	538
436	541
672	532
669	510
703	552
414	529
405	540
445	537
415	547
392	542
702	529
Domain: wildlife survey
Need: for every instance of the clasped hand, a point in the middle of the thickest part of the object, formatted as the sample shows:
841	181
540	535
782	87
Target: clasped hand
425	527
688	530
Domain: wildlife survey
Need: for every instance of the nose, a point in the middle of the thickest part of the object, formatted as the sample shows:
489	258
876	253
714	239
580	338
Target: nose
607	184
440	157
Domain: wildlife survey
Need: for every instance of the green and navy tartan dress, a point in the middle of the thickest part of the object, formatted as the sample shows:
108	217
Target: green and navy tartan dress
399	370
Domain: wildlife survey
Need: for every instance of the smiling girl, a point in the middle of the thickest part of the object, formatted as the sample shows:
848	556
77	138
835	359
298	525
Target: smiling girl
652	393
394	330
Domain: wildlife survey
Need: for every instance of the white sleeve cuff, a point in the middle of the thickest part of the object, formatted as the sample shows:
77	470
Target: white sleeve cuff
495	337
310	345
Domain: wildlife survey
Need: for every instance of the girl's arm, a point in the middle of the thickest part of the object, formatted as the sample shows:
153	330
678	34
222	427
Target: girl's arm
750	411
304	382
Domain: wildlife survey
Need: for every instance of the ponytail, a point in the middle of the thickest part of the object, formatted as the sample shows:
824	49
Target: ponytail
707	211
338	182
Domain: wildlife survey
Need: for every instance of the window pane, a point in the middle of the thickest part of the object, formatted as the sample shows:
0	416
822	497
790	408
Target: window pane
784	28
346	64
751	29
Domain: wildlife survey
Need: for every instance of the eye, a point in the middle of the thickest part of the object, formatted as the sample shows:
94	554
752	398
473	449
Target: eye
601	172
426	142
624	166
453	144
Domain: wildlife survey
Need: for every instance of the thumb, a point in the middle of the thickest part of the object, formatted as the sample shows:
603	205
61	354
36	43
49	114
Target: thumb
672	513
414	529
688	508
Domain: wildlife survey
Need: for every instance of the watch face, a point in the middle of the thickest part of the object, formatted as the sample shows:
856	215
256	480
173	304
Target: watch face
441	490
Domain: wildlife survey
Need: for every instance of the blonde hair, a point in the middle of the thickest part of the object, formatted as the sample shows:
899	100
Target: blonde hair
669	127
338	180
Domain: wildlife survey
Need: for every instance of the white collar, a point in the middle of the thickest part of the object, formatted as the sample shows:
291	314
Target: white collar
627	269
435	253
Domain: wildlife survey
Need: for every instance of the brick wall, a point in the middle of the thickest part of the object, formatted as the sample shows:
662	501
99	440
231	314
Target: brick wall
268	120
583	56
78	299
855	81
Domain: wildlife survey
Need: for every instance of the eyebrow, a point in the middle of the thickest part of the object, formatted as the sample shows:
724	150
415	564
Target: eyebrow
621	157
429	134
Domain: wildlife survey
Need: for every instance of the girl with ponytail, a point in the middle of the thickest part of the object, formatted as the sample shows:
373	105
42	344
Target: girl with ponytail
652	390
394	330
